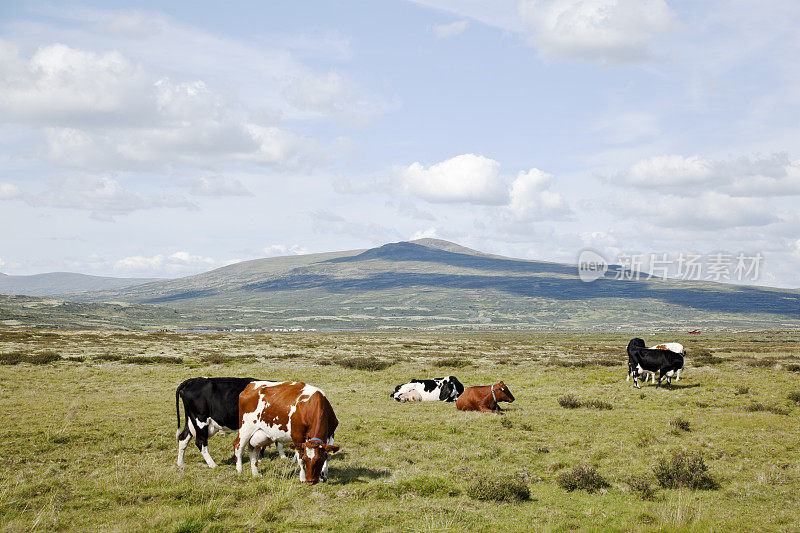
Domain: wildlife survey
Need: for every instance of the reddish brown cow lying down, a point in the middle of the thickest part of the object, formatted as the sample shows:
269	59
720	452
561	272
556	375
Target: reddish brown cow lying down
484	398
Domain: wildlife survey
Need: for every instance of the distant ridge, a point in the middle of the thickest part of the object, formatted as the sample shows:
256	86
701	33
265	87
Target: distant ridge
54	283
433	283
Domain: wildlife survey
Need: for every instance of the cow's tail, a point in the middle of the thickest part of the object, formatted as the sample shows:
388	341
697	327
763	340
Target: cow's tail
177	405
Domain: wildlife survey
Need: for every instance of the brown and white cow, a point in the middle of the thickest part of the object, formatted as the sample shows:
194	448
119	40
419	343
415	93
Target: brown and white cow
289	412
484	398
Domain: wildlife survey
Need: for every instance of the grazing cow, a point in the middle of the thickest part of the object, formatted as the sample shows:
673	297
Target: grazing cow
288	412
673	347
641	358
431	390
484	398
410	396
211	405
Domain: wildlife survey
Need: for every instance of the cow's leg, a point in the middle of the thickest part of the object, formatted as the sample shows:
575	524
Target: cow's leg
183	442
636	380
254	453
678	375
281	453
238	448
201	440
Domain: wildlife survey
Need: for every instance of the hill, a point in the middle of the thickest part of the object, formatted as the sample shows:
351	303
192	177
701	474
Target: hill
54	283
433	283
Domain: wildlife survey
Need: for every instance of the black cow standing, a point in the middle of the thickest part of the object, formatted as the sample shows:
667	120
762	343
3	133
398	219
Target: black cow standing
640	359
210	405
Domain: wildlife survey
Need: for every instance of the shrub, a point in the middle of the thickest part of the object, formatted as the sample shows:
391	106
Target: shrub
794	396
364	363
43	358
581	478
742	390
107	357
599	404
569	401
216	358
642	487
11	358
499	489
506	423
757	407
680	423
153	360
793	368
684	469
452	362
761	363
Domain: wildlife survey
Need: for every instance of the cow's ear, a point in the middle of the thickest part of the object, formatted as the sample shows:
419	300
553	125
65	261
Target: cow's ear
330	448
296	446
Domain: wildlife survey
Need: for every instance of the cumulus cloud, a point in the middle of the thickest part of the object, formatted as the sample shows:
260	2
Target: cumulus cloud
774	175
428	233
701	212
178	261
465	178
101	112
104	197
217	186
275	250
611	32
530	197
450	30
9	191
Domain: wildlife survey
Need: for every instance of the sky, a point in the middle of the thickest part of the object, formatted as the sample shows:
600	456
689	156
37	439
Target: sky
166	139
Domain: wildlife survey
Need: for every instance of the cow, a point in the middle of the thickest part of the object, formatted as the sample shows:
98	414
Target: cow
484	398
288	412
412	395
211	405
673	347
431	390
641	358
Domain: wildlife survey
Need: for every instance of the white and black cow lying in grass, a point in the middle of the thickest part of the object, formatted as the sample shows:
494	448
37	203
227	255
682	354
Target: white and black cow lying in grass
211	405
287	412
640	359
429	390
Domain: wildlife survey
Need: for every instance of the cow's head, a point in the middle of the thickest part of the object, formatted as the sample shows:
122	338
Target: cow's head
635	343
451	389
312	457
502	393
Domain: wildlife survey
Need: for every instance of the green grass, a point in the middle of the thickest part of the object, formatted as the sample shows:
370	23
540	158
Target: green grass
90	444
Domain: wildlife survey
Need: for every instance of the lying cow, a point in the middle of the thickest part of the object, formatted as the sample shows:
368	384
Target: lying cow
484	398
431	390
211	405
673	347
287	412
640	358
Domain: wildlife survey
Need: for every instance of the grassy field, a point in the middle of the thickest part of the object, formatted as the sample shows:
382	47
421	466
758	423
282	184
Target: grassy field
88	434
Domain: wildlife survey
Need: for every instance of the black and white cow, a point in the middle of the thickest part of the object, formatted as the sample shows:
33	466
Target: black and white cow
211	405
430	390
640	359
673	347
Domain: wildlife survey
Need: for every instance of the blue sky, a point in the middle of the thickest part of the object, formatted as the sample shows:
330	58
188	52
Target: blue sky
164	140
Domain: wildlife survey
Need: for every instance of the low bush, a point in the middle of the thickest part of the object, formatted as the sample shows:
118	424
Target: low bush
506	423
569	401
742	390
599	404
216	358
153	360
680	424
43	358
641	485
581	478
757	407
793	367
761	363
794	396
364	363
452	362
499	489
12	358
684	469
107	357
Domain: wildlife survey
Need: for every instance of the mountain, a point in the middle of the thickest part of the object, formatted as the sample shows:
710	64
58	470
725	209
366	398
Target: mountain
435	283
63	282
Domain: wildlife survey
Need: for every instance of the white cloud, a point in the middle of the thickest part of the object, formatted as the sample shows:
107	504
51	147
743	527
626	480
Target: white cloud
103	197
702	212
281	249
466	178
217	186
794	246
178	261
9	191
429	233
611	32
775	175
450	30
532	199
